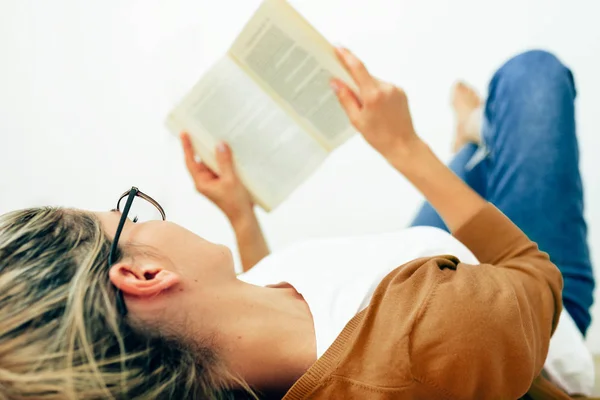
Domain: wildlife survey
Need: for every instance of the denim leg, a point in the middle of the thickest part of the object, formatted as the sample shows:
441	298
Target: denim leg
533	167
474	176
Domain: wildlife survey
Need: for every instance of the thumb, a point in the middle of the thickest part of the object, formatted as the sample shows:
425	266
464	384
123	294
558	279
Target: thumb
225	160
348	99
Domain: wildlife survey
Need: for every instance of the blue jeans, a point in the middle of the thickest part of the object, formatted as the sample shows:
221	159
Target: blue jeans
528	167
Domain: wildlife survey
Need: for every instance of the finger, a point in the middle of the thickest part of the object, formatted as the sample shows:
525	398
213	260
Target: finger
356	69
201	167
225	160
205	173
188	151
204	179
348	99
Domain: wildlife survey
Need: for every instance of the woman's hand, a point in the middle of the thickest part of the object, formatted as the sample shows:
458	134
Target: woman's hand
228	193
225	190
379	110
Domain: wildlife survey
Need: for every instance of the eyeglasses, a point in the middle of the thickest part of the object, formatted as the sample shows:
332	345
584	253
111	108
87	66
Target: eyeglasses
130	195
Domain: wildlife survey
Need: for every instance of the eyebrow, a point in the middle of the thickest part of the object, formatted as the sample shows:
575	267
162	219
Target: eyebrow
114	210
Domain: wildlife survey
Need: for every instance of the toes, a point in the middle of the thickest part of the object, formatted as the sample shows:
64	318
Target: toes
464	96
459	93
461	86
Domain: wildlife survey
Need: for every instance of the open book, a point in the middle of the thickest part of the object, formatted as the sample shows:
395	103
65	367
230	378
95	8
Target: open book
269	98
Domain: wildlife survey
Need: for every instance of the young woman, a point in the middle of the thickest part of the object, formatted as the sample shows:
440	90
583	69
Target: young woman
94	306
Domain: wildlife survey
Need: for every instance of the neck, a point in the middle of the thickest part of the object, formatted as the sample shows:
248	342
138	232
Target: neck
268	338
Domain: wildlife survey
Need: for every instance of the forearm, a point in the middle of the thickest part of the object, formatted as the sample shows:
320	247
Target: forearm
250	239
454	200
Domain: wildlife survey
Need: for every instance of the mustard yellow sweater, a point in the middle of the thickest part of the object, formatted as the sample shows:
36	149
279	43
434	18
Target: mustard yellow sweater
440	329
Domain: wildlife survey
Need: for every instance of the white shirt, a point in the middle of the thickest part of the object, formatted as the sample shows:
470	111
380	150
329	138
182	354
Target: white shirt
337	277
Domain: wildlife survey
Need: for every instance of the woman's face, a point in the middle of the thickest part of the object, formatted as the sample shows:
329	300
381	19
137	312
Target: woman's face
182	270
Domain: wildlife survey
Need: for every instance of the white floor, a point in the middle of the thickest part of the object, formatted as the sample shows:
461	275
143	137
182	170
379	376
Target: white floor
85	87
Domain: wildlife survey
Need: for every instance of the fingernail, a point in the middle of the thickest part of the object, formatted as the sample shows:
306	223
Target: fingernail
221	147
335	86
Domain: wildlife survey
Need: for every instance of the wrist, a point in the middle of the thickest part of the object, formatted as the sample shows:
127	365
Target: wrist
408	155
240	219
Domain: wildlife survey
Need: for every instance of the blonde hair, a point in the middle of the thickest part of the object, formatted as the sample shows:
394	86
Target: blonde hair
61	336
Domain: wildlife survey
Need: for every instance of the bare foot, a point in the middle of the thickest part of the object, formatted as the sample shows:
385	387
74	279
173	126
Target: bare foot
464	102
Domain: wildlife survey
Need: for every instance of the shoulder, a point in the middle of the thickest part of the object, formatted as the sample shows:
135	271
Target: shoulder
467	339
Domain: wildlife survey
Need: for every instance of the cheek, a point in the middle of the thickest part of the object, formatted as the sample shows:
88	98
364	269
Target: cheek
217	259
206	261
191	256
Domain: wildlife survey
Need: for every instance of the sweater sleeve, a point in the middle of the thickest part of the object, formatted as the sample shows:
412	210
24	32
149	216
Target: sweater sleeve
485	330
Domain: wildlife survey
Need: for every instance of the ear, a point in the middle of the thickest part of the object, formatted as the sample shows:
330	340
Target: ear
142	280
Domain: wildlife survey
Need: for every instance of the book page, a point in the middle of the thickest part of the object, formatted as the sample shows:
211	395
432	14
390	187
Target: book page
273	154
295	64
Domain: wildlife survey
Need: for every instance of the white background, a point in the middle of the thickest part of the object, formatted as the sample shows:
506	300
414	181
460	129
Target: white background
85	87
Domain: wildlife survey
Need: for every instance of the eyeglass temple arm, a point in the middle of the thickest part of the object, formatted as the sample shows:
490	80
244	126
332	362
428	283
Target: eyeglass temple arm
124	214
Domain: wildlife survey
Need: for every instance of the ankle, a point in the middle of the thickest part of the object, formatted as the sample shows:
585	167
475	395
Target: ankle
473	125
